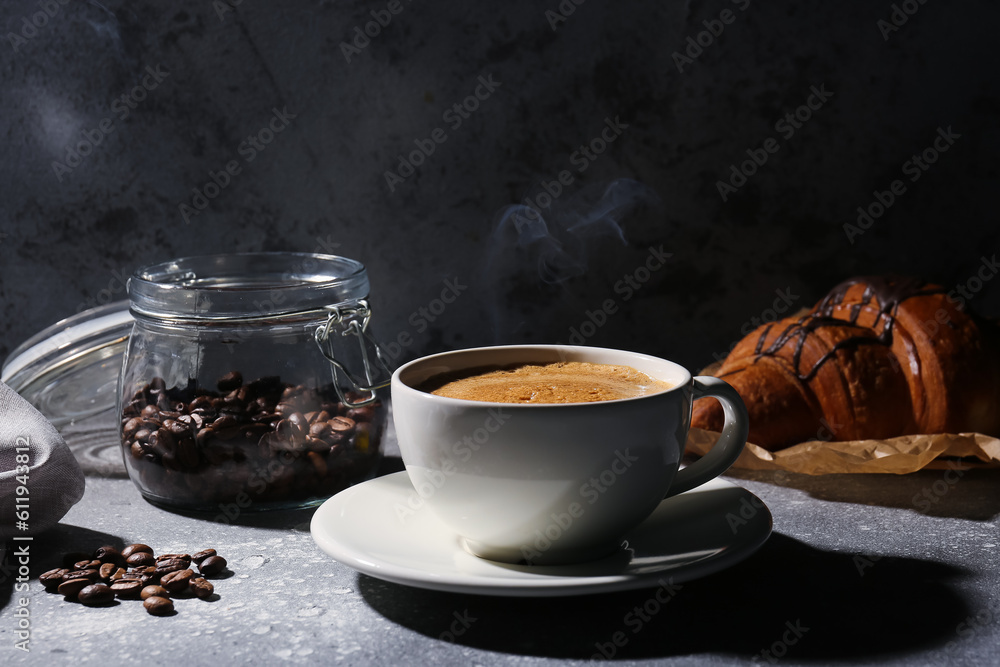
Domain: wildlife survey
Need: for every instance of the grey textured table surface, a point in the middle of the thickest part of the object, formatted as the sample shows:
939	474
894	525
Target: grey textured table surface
860	570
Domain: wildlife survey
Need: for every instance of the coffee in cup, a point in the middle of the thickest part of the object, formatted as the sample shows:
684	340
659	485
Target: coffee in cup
560	482
557	382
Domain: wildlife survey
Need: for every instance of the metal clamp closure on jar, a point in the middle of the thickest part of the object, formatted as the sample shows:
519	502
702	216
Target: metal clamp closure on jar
353	321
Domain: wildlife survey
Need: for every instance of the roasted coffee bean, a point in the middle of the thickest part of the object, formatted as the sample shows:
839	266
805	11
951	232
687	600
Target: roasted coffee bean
299	420
341	424
87	564
212	565
362	414
150	579
90	574
130	427
171	565
175	582
199	403
290	431
201	587
336	437
151	590
231	429
140	559
225	420
107	569
157	384
152	424
233	402
184	557
71	587
316	445
202	555
96	594
158	606
319	429
163	442
117	574
52	578
229	381
127	589
177	428
109	554
136	548
204	436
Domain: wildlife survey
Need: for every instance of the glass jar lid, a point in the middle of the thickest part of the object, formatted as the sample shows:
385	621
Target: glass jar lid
69	370
246	286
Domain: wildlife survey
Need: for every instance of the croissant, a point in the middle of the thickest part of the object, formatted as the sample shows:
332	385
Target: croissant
876	358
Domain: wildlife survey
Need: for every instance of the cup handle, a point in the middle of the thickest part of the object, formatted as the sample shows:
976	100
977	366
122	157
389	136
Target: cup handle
727	449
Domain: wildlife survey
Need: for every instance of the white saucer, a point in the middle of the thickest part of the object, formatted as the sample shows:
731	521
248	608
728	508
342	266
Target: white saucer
688	536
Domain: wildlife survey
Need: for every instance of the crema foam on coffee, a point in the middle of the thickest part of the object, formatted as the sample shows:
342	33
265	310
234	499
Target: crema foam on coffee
560	382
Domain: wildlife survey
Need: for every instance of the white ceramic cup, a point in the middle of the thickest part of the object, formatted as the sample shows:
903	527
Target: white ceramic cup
553	483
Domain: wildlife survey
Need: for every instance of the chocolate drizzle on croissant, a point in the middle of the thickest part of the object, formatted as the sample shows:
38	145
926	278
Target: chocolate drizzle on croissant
877	357
888	293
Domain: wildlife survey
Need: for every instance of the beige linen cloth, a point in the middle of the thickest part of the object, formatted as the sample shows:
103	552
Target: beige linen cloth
40	479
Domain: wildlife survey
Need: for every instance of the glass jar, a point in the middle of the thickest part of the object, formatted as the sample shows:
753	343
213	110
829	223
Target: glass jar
237	392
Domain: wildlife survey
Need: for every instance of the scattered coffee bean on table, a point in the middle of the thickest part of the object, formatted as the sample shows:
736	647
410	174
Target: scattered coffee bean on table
151	590
202	555
110	555
52	578
72	587
140	559
176	581
158	606
127	589
96	594
201	587
133	573
135	549
212	565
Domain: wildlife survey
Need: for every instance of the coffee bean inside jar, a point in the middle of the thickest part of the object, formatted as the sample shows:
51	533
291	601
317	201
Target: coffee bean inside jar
262	441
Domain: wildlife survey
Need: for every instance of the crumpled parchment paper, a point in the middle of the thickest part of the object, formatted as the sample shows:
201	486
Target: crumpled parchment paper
898	456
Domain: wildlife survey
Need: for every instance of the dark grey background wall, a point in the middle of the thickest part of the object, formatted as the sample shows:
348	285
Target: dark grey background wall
200	77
